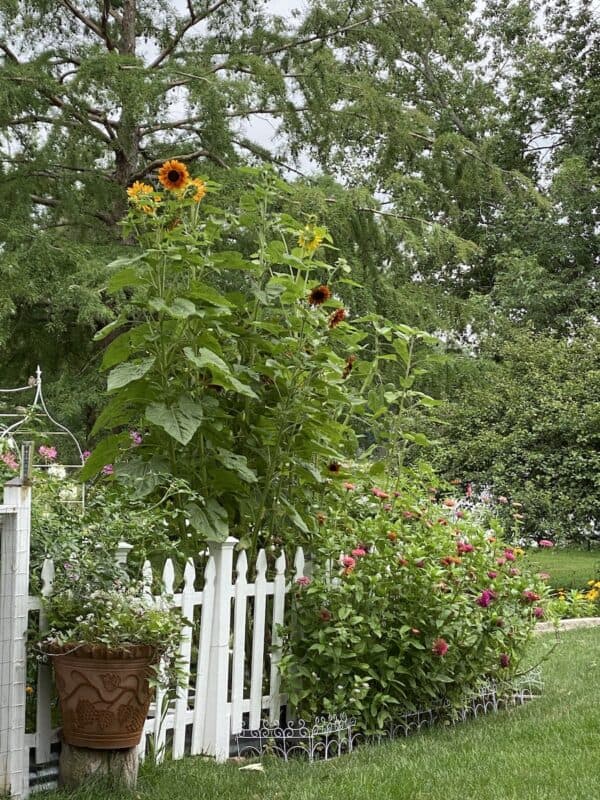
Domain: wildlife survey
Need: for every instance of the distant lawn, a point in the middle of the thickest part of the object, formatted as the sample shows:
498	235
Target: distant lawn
546	750
568	568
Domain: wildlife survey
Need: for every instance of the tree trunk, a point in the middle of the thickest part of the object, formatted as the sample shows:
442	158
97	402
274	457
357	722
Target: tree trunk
80	765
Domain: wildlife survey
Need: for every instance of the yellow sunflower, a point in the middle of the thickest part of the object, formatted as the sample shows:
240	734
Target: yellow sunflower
173	175
200	188
140	192
311	238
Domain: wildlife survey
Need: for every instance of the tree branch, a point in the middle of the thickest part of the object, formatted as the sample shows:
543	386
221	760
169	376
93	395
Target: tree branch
261	152
44	201
308	39
89	23
192	21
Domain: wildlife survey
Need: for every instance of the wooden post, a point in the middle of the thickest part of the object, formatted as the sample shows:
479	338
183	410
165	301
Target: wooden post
217	717
14	591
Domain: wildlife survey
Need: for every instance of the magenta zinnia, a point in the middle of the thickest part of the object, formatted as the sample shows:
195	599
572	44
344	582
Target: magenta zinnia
440	647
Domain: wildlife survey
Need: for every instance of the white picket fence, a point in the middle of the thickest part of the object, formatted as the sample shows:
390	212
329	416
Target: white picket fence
232	680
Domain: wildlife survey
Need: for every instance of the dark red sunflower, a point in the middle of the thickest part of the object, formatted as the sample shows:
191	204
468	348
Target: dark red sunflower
348	368
339	315
319	295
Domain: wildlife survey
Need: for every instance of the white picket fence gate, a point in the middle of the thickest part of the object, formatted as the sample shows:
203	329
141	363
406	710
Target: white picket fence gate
232	683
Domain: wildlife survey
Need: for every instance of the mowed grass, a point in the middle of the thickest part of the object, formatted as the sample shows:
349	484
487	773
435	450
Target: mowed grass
546	750
569	568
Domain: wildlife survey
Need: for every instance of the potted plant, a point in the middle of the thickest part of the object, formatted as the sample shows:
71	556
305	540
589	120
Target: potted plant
106	638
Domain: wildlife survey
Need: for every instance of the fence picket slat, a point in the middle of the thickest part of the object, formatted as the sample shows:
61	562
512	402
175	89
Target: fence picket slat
160	727
258	641
276	641
201	689
239	642
185	655
299	563
43	711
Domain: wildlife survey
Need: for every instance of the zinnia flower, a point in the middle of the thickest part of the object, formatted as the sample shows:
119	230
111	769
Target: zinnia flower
449	502
348	562
49	453
504	660
108	469
538	612
529	596
440	647
392	536
349	487
485	598
492	574
173	175
325	615
339	315
136	438
303	580
319	295
464	547
359	551
545	543
379	493
200	189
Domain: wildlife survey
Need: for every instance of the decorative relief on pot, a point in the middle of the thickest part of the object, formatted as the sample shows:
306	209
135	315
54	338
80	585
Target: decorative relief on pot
104	701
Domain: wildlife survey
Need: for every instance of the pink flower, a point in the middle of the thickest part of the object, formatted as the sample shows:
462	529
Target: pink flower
136	438
349	487
485	598
464	547
348	562
379	493
325	615
504	660
303	580
545	576
509	554
502	499
358	552
545	543
440	647
492	574
460	514
387	506
10	461
49	453
501	561
529	596
538	612
86	454
108	469
514	571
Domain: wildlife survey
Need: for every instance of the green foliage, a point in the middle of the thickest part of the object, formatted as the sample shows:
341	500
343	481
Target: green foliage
530	430
419	608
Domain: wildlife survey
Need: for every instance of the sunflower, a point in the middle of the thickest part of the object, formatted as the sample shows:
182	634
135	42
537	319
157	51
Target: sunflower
310	238
199	187
339	315
334	467
140	192
348	368
319	295
173	175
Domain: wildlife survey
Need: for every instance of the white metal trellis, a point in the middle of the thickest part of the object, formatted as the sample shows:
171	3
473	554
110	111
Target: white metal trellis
16	424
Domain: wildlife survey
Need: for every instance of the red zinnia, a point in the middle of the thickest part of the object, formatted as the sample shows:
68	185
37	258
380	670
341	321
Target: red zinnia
440	647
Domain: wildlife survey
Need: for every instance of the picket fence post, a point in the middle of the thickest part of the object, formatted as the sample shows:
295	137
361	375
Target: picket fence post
14	599
215	740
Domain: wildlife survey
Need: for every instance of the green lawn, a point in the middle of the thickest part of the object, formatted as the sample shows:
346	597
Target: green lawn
546	750
568	568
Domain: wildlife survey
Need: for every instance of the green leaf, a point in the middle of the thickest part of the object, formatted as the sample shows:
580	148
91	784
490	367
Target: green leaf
221	375
211	520
122	279
200	291
180	421
142	476
180	308
126	373
117	351
231	259
237	463
106	452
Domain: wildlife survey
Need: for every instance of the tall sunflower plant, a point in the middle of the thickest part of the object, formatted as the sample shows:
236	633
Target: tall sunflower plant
234	375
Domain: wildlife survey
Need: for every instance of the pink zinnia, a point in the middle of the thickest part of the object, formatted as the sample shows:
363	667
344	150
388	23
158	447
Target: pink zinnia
440	647
349	487
545	543
359	551
380	493
464	547
544	575
348	562
460	514
529	596
303	580
501	561
86	454
136	438
492	574
538	612
504	660
509	555
514	571
108	469
485	598
325	614
49	453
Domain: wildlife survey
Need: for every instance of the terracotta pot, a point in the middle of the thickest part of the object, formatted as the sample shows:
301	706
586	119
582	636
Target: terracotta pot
104	694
